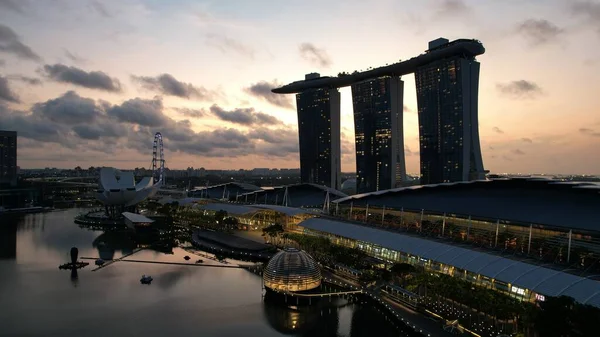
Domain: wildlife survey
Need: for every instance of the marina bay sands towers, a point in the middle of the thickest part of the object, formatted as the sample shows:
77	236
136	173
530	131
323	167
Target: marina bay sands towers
447	80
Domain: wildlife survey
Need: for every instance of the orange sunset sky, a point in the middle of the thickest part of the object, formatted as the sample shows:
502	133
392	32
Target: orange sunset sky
88	82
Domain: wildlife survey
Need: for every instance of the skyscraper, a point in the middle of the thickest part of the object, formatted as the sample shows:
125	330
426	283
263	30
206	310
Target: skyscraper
447	97
319	135
378	130
8	157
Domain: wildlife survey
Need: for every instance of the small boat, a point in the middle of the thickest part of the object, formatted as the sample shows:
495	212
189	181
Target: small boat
186	258
146	279
99	262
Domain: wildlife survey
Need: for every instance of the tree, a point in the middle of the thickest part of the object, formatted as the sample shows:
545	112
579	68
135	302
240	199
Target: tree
401	270
273	231
219	216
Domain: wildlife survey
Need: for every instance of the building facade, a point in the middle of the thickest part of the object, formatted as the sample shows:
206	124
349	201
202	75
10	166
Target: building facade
447	97
8	157
319	136
378	130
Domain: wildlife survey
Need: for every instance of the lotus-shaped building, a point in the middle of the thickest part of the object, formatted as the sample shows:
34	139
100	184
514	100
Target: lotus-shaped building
119	191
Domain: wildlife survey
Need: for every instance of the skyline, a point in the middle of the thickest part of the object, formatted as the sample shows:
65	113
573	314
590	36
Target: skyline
213	65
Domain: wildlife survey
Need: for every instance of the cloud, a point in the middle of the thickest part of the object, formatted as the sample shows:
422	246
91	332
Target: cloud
226	44
314	55
497	130
91	80
539	32
2	63
12	5
92	128
68	109
527	140
73	57
26	79
521	89
100	9
194	113
518	152
144	112
405	108
166	84
589	132
262	90
589	10
6	93
244	116
409	152
452	7
507	158
10	43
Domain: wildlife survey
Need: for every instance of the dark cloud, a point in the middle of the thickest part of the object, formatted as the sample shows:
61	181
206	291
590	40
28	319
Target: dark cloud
527	140
275	142
91	129
26	79
145	112
589	132
193	113
405	108
92	80
100	9
520	89
539	32
226	44
588	10
13	5
68	109
73	57
518	152
166	84
314	55
497	130
244	116
11	43
6	93
262	90
452	7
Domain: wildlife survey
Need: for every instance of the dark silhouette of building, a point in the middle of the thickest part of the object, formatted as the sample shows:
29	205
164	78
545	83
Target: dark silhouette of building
447	97
8	157
378	131
319	135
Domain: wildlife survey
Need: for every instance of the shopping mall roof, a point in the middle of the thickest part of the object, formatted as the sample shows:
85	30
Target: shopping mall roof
541	280
298	195
238	209
526	200
229	208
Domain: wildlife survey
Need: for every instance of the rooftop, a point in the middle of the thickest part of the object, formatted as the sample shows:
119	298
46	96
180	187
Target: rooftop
136	218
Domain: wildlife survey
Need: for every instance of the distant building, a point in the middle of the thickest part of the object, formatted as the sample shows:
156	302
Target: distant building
8	157
447	96
319	135
378	130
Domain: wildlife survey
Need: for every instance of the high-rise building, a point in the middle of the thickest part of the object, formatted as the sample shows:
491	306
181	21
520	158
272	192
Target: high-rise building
378	131
447	97
319	135
8	157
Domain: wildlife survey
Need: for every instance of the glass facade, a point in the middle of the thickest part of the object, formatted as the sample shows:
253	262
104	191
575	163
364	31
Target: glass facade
447	97
319	136
8	157
378	133
536	243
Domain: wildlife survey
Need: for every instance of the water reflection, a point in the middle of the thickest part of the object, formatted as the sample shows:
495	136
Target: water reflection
318	319
8	238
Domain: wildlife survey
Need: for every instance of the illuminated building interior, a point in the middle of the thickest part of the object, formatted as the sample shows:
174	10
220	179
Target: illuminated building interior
292	270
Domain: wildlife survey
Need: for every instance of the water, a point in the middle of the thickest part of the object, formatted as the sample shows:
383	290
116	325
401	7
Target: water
37	299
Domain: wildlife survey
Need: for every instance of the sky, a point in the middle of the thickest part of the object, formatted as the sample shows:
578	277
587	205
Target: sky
89	82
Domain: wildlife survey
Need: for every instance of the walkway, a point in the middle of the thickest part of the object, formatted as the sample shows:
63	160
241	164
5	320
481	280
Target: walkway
106	264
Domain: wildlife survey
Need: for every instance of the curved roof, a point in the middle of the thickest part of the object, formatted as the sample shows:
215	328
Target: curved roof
298	195
541	280
526	200
239	209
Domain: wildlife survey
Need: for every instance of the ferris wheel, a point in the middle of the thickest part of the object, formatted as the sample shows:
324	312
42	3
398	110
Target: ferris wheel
158	159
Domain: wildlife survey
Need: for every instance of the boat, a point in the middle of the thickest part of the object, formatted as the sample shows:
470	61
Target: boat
186	258
146	279
99	262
